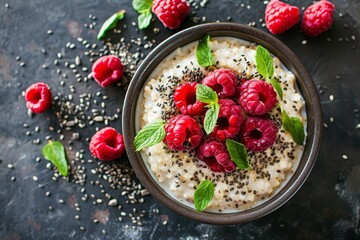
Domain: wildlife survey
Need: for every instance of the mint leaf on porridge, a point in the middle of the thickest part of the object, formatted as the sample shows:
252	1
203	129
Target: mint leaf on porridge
54	151
110	23
150	135
294	126
277	87
238	154
265	66
143	7
204	55
264	62
203	195
205	94
211	117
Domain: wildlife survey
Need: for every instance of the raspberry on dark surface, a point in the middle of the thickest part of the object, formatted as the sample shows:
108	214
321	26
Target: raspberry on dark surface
107	70
171	12
317	18
182	132
258	133
214	153
229	120
107	144
185	99
222	81
280	16
257	97
38	97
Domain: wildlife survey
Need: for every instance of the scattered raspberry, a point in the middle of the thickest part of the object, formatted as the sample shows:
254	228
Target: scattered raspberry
257	97
229	120
107	70
222	81
171	12
317	18
215	155
182	132
280	16
107	144
185	99
258	133
38	97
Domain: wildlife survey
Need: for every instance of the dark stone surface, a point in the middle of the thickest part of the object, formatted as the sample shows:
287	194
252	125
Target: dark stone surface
326	207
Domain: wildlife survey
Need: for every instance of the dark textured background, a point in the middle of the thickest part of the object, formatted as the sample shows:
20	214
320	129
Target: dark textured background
326	207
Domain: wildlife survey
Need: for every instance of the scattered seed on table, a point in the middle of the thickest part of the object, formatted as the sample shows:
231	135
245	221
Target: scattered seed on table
331	97
344	157
61	201
13	179
10	166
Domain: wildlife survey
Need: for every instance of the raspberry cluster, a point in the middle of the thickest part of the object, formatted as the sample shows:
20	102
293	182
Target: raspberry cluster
242	117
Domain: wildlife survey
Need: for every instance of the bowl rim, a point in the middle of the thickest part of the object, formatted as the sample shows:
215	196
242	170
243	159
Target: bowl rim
304	82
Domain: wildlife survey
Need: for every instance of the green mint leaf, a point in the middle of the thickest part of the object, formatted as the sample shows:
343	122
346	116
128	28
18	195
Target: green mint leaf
264	62
211	117
294	126
144	19
238	154
203	195
277	87
150	135
110	23
205	94
204	55
54	152
142	6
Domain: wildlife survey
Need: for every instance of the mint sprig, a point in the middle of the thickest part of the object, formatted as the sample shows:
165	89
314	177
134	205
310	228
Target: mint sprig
265	66
110	23
150	135
211	117
238	154
54	151
143	7
206	95
203	195
204	55
294	126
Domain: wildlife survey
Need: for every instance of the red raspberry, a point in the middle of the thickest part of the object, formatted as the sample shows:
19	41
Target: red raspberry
182	132
107	144
280	16
229	120
222	81
317	18
171	12
215	155
38	97
257	97
185	99
258	133
107	70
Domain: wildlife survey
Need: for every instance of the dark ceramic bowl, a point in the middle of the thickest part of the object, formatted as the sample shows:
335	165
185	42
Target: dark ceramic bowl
308	91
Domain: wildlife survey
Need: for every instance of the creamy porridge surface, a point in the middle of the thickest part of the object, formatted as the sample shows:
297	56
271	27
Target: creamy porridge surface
179	173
